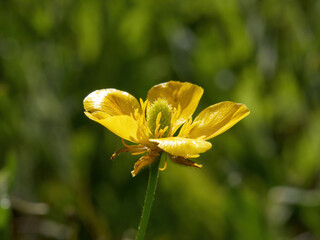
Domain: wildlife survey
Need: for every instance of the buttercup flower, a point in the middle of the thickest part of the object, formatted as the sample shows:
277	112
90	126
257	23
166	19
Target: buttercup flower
163	122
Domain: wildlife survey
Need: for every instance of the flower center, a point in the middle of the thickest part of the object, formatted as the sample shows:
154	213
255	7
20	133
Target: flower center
159	117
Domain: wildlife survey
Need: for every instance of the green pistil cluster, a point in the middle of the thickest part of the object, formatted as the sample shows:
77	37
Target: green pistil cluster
159	105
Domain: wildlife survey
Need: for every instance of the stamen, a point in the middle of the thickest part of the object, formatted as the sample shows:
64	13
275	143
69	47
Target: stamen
176	115
148	130
159	115
121	150
158	118
143	109
126	145
165	165
133	149
141	103
143	131
158	125
136	114
198	165
138	153
161	132
165	129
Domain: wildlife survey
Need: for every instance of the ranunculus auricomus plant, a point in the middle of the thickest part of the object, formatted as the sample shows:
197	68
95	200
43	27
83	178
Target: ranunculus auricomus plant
162	124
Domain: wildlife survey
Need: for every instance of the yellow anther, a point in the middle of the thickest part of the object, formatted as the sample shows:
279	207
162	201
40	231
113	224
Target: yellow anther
158	119
138	153
141	102
158	125
126	145
198	165
162	131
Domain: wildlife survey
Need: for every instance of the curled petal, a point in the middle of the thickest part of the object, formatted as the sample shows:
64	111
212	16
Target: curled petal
124	126
111	102
215	120
185	147
184	161
185	94
143	162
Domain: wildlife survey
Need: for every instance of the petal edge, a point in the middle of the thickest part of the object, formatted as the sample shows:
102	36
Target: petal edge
111	101
123	126
185	94
215	120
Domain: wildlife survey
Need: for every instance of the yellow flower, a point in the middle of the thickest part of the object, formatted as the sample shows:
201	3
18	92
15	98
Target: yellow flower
153	124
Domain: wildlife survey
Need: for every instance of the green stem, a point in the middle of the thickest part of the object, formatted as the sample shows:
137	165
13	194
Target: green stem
152	185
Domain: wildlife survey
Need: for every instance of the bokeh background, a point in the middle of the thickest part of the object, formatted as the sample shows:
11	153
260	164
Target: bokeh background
261	179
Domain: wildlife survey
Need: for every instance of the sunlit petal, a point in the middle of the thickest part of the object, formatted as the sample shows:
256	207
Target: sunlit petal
185	94
111	101
124	126
215	120
182	146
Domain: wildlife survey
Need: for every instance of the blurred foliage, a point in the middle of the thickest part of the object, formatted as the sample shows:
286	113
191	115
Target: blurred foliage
261	180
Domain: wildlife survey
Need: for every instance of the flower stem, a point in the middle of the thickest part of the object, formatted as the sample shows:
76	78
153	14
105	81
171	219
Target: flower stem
152	185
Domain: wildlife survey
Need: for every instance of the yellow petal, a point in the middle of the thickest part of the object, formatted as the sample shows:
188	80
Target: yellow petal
215	120
185	147
97	115
111	101
124	126
185	94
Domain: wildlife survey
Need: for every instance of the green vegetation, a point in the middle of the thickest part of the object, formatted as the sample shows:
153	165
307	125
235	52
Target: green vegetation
260	180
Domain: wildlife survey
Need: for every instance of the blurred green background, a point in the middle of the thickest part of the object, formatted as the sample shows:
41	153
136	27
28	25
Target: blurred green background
261	179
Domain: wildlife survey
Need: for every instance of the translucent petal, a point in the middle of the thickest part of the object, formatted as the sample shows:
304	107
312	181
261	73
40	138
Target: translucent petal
187	95
215	120
124	126
98	115
185	147
111	101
